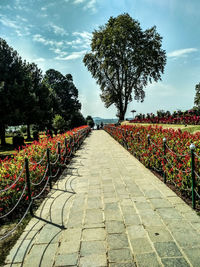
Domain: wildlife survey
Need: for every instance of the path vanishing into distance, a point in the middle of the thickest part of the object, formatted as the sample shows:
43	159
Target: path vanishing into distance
107	209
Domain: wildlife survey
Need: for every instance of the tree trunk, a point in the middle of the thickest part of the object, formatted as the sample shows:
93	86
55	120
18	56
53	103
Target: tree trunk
2	134
121	115
28	132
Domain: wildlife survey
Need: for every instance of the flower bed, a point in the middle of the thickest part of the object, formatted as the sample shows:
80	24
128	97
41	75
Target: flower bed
173	161
13	184
182	119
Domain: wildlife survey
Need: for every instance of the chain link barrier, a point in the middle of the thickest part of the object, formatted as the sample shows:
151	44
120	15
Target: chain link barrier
166	151
78	138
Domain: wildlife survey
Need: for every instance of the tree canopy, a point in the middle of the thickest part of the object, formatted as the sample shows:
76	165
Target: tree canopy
197	96
124	58
28	97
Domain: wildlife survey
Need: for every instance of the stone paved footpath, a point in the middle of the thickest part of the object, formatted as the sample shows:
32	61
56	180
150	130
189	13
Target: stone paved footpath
120	215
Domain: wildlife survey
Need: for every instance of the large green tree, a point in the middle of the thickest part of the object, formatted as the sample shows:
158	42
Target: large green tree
24	96
197	96
11	66
64	95
124	58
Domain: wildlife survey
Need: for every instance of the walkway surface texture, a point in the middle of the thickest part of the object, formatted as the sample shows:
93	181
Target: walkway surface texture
120	215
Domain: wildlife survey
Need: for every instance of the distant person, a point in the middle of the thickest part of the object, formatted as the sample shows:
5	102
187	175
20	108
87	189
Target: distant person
101	125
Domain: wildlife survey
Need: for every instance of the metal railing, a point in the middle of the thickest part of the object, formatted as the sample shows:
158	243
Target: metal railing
70	146
123	135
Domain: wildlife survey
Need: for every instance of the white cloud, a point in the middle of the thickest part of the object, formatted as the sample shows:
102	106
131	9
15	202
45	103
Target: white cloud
78	1
40	59
88	4
40	39
181	52
72	56
91	5
58	30
59	52
83	40
9	23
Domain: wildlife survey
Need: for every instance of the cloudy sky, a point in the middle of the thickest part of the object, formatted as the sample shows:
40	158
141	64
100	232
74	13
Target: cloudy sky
57	33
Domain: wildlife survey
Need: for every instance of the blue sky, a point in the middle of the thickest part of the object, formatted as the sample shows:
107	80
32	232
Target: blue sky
57	33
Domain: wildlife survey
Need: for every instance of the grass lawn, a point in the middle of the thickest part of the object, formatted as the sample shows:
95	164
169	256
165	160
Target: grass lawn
189	128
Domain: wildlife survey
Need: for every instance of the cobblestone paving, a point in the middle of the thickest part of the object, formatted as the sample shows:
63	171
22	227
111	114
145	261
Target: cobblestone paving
119	215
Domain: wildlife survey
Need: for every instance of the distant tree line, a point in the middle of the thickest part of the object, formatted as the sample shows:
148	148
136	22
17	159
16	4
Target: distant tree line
27	97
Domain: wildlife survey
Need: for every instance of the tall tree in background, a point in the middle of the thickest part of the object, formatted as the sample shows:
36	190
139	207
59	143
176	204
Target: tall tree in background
35	108
64	96
10	67
124	59
197	96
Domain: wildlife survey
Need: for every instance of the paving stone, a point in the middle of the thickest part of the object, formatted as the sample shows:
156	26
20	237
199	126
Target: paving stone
66	260
186	239
41	255
153	194
19	251
94	203
69	247
93	216
141	245
159	234
49	233
125	264
142	206
126	202
132	219
160	203
127	210
110	199
169	213
114	227
147	260
175	262
93	247
28	235
151	220
193	255
93	260
167	249
111	206
120	255
136	231
116	241
71	234
94	234
111	215
191	216
94	225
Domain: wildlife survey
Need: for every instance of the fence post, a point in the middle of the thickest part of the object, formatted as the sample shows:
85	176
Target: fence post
59	151
148	139
28	184
65	146
164	155
192	148
49	165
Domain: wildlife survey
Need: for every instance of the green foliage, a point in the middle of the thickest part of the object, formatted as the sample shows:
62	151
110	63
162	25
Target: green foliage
123	60
64	96
197	95
59	123
90	121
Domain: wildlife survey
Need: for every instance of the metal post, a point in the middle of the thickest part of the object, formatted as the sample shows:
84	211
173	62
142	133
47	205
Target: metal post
65	146
164	155
59	151
28	184
148	139
192	148
49	165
